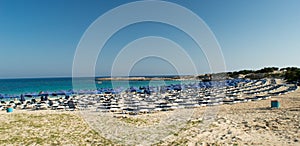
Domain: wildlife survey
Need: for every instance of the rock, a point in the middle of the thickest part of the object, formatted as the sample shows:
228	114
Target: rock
275	126
245	122
248	126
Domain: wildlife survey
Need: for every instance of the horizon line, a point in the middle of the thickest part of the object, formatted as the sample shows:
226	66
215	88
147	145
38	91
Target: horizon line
97	76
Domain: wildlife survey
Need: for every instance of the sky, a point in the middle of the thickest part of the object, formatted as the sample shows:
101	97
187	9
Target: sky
39	38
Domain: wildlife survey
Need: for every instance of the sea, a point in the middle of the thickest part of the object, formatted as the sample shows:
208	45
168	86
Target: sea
15	87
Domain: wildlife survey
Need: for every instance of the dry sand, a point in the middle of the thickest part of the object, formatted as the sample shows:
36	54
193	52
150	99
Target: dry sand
252	123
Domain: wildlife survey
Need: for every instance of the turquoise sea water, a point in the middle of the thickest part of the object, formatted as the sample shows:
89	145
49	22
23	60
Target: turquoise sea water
23	86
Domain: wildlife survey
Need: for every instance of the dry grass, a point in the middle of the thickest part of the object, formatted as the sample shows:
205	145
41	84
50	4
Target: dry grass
33	128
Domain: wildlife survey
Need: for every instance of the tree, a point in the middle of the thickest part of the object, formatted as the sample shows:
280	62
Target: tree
292	74
267	70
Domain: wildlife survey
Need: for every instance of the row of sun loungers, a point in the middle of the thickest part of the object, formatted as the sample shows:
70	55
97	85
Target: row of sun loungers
189	98
137	103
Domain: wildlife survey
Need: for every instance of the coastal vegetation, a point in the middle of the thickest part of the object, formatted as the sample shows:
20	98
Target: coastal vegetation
290	74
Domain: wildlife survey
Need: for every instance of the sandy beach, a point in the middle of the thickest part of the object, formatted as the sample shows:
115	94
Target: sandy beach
251	123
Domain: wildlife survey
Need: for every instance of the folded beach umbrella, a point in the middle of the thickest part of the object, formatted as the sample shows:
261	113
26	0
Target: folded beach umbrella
22	98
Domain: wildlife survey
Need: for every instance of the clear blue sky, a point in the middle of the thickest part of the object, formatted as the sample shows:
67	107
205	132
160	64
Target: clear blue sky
39	38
